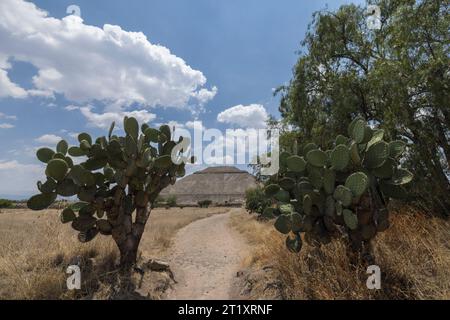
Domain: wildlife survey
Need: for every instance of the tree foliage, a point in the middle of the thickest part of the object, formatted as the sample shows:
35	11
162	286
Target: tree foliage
397	78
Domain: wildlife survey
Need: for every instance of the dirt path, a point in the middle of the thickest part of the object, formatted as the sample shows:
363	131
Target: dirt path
205	258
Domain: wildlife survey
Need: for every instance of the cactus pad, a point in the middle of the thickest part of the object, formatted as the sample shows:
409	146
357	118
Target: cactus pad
376	155
296	164
62	147
283	224
131	127
294	244
310	146
386	170
344	195
41	201
316	158
287	183
84	137
340	139
57	169
271	190
67	188
401	176
340	157
67	215
350	219
45	154
282	196
359	131
76	152
358	183
396	148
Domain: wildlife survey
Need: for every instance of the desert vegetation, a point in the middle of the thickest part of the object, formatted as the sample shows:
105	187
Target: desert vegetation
37	249
204	203
343	191
256	200
413	255
363	179
357	126
135	167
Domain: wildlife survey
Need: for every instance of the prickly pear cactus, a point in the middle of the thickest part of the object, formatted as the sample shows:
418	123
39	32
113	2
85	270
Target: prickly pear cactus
342	191
116	177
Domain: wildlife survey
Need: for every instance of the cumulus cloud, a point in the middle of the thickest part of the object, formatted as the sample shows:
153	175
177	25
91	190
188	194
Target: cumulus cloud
104	120
204	95
251	116
86	63
21	177
193	124
49	139
8	88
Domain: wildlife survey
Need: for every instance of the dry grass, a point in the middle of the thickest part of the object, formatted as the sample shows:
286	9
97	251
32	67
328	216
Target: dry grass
414	255
35	250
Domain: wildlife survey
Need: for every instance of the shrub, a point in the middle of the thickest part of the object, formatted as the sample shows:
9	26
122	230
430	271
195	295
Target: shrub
171	201
5	204
135	168
342	191
204	203
256	201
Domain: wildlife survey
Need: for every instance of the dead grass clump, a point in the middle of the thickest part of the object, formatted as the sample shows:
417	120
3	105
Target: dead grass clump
413	256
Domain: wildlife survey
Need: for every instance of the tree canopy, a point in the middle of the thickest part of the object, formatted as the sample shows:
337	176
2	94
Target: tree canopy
396	77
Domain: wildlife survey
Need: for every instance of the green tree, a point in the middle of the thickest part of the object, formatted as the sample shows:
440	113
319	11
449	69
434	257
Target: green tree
396	77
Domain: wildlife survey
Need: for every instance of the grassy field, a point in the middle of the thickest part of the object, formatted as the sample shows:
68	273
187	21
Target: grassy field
35	250
413	255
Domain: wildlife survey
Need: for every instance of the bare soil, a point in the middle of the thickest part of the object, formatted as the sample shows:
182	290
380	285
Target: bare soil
206	257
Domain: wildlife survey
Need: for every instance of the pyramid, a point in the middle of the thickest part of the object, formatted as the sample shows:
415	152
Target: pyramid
223	185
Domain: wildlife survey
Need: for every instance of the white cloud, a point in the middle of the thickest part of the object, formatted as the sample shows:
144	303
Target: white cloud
71	108
172	124
104	120
87	63
6	126
5	116
191	124
205	95
21	178
8	88
48	139
251	116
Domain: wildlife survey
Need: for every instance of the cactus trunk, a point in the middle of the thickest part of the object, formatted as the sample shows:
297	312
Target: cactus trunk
128	253
128	242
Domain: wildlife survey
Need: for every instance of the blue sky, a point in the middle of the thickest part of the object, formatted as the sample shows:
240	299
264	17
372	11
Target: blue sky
199	60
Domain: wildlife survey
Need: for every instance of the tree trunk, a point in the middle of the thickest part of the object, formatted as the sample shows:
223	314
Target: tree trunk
127	236
128	253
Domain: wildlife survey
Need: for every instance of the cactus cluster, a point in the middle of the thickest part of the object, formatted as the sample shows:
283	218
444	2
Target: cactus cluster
116	176
341	191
